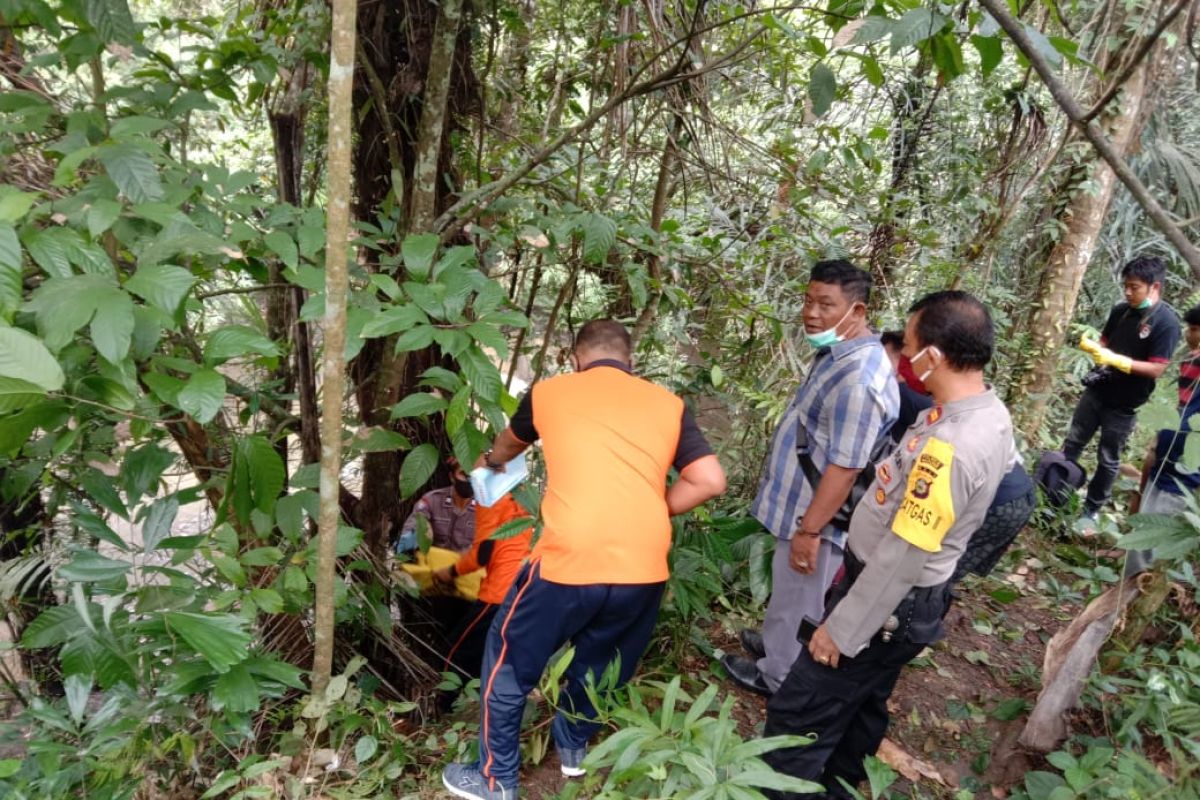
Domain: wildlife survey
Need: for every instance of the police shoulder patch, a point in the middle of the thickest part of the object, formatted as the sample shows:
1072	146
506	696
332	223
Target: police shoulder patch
927	511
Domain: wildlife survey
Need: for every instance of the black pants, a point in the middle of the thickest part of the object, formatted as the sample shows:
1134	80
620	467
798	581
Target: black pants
468	638
1115	426
845	709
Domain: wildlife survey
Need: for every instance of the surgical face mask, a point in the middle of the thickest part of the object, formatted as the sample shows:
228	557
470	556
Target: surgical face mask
464	488
917	357
829	336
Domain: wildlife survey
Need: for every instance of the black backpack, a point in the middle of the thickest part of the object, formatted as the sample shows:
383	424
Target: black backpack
883	447
1059	477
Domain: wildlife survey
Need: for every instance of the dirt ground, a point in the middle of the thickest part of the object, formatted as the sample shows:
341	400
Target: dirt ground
953	704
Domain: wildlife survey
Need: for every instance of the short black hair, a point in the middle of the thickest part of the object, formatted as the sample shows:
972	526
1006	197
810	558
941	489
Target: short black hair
855	282
1192	317
892	339
1147	269
959	325
605	334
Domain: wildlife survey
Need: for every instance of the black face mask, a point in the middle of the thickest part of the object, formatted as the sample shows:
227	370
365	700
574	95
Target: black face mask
464	488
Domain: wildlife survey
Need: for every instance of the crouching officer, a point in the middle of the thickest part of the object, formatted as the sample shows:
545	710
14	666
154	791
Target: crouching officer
905	540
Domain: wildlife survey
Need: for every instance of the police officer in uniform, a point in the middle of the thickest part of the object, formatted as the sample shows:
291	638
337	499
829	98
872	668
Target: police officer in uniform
905	540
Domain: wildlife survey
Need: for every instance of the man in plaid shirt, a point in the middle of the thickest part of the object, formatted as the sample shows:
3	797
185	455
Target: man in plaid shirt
848	402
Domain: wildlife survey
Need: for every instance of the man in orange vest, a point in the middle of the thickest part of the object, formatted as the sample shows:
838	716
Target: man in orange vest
597	573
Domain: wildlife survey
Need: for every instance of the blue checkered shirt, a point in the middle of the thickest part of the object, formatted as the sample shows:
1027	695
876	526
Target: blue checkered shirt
848	401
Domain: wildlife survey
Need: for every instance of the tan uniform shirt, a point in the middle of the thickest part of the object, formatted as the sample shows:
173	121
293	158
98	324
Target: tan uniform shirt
927	499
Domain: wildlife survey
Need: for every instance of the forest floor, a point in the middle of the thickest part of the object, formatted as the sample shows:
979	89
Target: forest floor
959	698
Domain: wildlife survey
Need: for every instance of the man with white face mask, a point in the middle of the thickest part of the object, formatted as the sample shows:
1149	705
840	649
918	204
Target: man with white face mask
848	402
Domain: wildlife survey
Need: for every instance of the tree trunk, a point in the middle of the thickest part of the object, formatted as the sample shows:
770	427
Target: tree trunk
337	228
1083	219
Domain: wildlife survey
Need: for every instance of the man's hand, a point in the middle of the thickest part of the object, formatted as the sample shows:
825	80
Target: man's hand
804	550
1105	357
822	649
443	576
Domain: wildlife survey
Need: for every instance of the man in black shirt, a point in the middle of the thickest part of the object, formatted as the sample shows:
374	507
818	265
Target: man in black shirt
1135	347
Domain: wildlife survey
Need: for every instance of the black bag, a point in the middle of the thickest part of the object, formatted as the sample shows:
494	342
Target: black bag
1059	477
880	450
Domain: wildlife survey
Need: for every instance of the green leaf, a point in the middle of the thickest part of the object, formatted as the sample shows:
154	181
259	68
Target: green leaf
101	489
101	215
162	286
53	627
1045	48
991	51
233	341
48	248
284	246
203	395
394	320
261	557
131	169
235	690
378	440
88	566
265	469
822	88
25	358
289	514
112	20
417	468
599	236
112	326
129	126
9	767
1040	784
365	748
417	338
14	204
419	404
481	374
10	270
455	257
142	467
221	639
418	251
77	688
224	782
157	525
917	25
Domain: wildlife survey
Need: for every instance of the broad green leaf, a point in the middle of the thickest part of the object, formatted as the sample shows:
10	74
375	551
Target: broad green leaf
54	626
455	257
15	429
991	51
88	566
142	467
131	170
234	341
181	237
365	748
488	336
101	215
78	688
10	270
289	513
48	248
874	27
16	393
419	404
1045	48
418	251
112	20
378	440
14	204
221	639
261	557
417	468
917	25
235	690
283	246
68	166
162	286
203	395
267	473
157	525
64	305
394	320
599	236
128	126
9	767
112	326
101	488
417	338
481	374
822	88
312	239
25	358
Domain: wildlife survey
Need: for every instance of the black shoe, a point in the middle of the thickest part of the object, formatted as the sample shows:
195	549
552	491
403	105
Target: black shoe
752	642
744	673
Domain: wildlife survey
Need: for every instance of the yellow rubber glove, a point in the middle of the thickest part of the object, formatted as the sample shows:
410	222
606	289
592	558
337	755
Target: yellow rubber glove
1105	357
